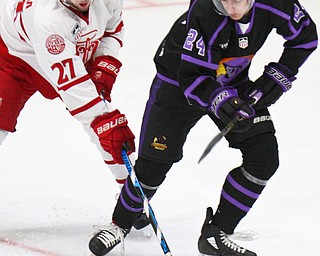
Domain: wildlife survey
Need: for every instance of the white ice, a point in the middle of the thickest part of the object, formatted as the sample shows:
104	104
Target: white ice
54	188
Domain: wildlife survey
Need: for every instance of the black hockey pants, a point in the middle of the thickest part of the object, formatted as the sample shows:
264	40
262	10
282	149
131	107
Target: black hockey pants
168	118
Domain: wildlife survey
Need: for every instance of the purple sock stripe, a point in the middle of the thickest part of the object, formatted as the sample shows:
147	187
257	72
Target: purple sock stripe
235	202
128	207
132	196
242	189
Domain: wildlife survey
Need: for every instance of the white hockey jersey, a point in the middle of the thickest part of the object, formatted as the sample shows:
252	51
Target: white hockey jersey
59	43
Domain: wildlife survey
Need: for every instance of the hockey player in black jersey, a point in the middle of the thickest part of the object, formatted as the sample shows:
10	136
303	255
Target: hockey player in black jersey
202	69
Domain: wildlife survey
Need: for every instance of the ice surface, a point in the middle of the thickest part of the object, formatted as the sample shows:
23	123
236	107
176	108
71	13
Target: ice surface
54	188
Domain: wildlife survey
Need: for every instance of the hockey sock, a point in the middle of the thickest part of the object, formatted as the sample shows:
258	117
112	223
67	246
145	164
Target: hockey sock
129	205
239	193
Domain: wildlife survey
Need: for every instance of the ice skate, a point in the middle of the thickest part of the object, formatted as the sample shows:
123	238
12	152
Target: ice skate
105	240
213	241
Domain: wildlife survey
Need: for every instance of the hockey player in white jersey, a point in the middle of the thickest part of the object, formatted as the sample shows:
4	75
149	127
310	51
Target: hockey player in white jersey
66	49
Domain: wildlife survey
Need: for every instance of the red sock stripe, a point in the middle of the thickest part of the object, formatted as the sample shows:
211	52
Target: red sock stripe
110	162
122	181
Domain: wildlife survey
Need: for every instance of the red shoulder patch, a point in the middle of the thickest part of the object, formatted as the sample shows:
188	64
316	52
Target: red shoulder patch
55	44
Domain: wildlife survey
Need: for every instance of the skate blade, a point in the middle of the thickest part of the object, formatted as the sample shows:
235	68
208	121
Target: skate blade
245	235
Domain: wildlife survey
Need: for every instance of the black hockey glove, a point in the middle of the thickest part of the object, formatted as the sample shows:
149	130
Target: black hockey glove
276	80
226	105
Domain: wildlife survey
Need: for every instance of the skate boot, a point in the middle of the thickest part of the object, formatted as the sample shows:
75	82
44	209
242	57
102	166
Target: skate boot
105	240
213	241
141	222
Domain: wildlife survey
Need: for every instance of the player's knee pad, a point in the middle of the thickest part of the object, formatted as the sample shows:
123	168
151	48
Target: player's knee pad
151	173
3	135
260	155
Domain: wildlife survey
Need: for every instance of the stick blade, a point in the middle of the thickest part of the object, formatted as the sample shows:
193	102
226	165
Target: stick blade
212	143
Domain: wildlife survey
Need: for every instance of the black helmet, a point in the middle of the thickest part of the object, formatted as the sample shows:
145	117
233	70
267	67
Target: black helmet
220	9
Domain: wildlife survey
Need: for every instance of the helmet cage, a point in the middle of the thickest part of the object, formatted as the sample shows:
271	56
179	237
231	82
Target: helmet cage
222	11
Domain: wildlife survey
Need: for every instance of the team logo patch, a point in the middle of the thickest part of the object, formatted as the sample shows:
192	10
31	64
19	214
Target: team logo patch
224	46
87	45
298	13
97	75
55	44
243	42
159	143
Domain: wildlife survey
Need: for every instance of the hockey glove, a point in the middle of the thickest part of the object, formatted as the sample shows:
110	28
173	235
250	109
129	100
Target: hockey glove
276	80
226	105
103	73
113	131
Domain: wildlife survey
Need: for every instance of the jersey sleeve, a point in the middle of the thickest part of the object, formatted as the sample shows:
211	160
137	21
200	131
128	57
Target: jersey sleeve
56	54
299	32
112	39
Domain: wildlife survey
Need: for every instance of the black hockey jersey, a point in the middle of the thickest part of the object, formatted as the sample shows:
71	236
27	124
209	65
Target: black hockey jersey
204	50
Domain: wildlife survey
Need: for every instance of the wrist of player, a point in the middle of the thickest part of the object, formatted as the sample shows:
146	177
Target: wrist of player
104	91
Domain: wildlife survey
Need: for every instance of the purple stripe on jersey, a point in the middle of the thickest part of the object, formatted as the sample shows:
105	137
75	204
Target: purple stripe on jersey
128	207
274	10
286	17
132	196
199	62
168	80
188	91
153	93
214	37
235	202
242	189
190	9
238	29
297	32
307	45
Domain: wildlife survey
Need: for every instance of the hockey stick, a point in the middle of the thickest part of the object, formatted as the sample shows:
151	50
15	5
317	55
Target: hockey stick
255	95
146	205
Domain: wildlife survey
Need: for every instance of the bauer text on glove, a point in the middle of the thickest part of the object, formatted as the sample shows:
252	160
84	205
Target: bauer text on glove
226	105
276	80
113	131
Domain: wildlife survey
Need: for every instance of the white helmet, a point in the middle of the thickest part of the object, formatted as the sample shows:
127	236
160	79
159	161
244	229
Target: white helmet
220	9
